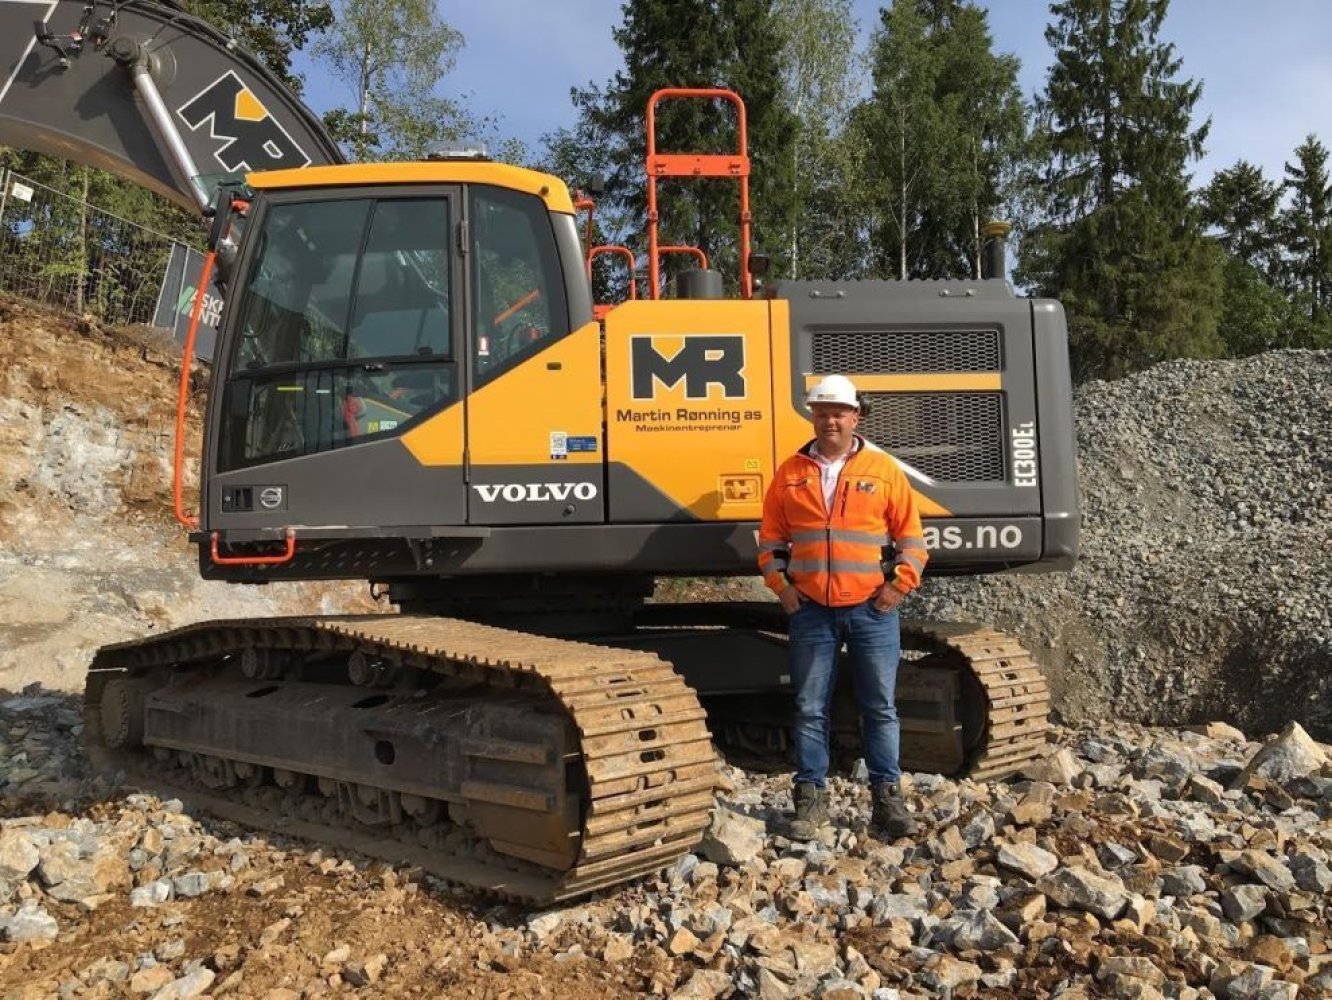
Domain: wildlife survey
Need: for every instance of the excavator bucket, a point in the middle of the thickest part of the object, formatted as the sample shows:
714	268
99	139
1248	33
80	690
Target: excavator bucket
149	93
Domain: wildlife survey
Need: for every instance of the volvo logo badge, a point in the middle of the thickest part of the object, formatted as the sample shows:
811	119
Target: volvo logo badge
270	497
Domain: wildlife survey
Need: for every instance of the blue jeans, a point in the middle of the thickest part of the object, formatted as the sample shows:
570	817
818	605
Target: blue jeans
874	641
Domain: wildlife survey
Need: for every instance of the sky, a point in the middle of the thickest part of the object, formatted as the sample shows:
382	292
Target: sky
1266	67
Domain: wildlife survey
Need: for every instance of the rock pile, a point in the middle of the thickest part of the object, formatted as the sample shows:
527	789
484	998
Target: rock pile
1202	589
1130	862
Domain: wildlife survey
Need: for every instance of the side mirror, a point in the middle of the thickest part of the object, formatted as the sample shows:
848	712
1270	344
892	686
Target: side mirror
596	185
759	264
221	217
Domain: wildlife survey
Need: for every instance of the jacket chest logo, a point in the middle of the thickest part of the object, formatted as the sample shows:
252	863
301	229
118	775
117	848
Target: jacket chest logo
865	486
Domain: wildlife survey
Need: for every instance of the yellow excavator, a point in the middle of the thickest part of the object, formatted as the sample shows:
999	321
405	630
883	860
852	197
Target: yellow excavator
412	386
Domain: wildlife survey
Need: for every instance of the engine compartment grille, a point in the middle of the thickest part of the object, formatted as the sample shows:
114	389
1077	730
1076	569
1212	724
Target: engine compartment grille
882	352
950	436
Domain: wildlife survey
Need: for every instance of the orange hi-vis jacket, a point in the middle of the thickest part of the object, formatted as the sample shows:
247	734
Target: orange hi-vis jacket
836	557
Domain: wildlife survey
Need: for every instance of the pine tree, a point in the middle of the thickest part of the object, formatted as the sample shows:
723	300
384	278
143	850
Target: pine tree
1120	242
986	124
1307	225
1242	205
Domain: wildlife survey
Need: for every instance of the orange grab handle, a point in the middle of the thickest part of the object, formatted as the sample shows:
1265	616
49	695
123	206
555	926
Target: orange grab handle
273	560
618	251
183	395
696	252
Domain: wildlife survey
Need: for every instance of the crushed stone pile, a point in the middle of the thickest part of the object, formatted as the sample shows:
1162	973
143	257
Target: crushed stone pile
1204	586
1131	862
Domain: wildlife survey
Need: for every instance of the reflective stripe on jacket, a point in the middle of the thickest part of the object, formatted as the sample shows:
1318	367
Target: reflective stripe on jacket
836	557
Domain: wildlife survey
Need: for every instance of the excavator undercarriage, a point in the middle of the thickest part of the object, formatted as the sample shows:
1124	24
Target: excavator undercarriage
538	768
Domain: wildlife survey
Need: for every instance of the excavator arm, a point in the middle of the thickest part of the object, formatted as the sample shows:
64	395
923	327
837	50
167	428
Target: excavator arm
150	93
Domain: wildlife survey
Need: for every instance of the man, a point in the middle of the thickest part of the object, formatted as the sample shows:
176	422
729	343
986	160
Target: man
841	546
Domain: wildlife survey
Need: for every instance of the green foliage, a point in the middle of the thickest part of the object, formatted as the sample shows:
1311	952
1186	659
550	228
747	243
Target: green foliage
391	55
1119	240
1307	229
1242	204
271	29
945	133
819	80
691	43
1255	316
88	241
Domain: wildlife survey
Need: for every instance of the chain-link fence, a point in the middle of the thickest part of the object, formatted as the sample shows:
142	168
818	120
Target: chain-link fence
78	258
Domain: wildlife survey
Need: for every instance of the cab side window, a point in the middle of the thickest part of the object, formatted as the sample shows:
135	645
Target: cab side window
517	282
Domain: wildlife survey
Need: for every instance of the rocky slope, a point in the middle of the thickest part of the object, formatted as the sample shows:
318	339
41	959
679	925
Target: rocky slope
1203	587
89	553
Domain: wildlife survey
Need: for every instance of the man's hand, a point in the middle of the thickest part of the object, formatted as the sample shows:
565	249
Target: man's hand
791	600
888	598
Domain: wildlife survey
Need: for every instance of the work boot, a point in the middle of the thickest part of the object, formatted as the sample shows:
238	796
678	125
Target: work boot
890	811
811	811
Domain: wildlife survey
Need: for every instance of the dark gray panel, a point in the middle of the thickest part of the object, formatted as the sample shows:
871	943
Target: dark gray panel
554	493
635	500
966	545
1058	456
89	112
376	484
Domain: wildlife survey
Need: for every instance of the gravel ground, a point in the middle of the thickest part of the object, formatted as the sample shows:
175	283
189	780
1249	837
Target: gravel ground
1129	863
1203	587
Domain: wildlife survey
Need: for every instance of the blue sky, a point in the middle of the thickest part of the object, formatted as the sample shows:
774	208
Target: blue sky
1266	67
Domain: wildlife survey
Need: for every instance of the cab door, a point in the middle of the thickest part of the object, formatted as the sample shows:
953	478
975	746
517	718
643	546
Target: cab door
533	403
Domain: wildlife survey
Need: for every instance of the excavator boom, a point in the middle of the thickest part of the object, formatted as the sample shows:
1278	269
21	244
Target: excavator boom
150	93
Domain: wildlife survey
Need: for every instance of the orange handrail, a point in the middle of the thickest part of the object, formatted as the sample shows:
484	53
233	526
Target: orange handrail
698	165
619	251
183	395
696	252
273	560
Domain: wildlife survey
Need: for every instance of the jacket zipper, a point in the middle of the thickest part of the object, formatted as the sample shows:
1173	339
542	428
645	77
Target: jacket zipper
827	527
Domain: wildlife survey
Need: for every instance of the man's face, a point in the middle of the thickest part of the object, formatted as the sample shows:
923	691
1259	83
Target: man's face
834	423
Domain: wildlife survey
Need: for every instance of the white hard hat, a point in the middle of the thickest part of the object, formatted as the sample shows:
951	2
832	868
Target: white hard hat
833	389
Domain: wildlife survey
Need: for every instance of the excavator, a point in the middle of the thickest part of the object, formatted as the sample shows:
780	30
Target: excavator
413	386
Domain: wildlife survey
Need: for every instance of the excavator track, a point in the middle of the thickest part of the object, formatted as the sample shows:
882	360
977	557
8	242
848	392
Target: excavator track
991	701
560	767
971	700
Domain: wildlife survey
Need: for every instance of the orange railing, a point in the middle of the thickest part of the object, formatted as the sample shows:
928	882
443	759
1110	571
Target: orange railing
728	165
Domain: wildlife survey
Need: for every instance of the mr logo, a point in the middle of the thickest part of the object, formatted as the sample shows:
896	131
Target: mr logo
250	138
701	360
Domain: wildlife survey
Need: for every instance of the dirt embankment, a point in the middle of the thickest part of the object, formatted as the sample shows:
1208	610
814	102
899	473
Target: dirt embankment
89	550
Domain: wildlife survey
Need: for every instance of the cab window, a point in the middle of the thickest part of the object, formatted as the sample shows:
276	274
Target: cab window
344	327
517	282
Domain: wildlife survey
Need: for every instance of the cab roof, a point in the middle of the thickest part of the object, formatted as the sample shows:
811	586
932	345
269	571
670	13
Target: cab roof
549	189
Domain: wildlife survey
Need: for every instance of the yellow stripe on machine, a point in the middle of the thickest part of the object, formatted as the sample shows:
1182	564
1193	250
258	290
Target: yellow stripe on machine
914	382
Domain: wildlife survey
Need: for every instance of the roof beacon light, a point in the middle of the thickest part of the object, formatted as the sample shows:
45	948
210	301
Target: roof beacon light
459	151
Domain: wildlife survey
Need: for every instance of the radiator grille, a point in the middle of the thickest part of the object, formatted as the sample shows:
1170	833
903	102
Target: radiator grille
954	437
884	353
